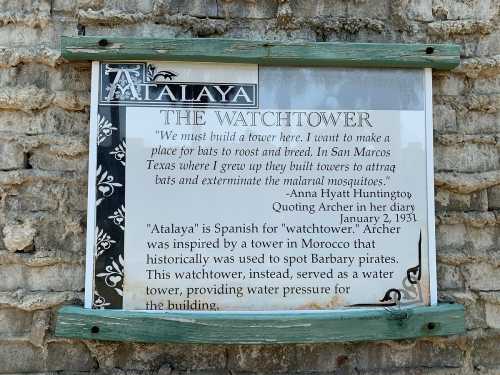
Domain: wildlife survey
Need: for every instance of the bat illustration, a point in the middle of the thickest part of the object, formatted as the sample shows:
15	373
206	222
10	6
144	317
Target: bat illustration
153	75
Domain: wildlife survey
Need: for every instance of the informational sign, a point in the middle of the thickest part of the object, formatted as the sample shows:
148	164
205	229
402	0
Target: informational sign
241	187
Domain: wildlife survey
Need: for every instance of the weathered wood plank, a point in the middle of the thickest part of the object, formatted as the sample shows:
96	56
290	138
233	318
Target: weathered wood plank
393	55
261	328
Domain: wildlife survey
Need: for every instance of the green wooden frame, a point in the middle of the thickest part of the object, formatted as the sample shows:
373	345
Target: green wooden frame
261	328
381	55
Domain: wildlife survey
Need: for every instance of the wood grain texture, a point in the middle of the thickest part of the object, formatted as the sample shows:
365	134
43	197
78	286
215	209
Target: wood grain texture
388	55
261	327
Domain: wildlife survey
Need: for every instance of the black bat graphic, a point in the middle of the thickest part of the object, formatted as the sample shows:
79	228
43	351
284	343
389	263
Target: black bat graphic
153	75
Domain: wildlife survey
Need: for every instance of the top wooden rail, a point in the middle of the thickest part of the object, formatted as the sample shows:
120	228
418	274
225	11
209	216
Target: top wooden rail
368	55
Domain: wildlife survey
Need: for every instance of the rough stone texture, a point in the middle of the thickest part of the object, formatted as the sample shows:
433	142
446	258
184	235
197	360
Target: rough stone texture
44	110
18	237
11	156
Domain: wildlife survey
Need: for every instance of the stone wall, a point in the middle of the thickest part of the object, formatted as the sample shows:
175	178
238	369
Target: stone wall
44	114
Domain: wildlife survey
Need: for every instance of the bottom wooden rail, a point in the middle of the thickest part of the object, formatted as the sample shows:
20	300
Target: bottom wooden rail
261	327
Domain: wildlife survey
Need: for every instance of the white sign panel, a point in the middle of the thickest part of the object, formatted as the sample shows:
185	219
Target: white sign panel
237	187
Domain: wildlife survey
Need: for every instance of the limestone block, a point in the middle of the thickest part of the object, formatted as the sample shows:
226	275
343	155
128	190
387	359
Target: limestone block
39	195
69	356
14	322
323	357
110	17
379	10
25	5
247	9
473	9
480	241
62	277
473	218
196	8
474	244
72	77
420	10
466	183
42	158
197	26
14	56
273	359
41	258
18	177
143	6
77	197
487	66
11	156
29	301
450	236
143	357
25	98
51	120
449	201
445	29
142	30
72	100
482	276
466	158
445	84
444	118
485	352
492	308
494	197
255	28
39	327
485	46
107	354
488	103
487	85
70	6
32	14
449	277
478	122
19	237
20	356
64	235
378	356
321	8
